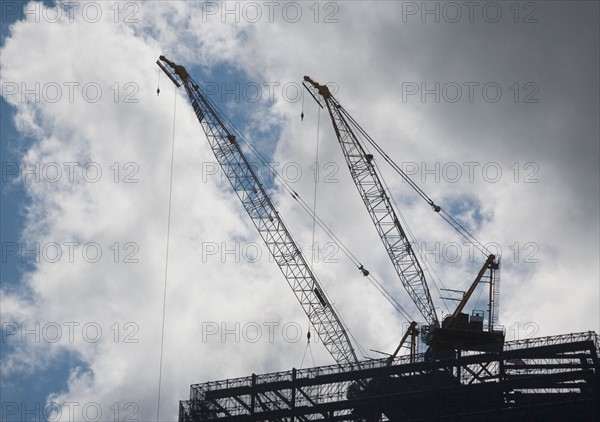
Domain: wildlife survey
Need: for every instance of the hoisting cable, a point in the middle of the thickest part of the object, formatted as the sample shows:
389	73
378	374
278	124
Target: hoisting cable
332	235
408	233
428	267
288	188
302	114
411	238
158	84
447	217
162	333
308	349
243	140
314	208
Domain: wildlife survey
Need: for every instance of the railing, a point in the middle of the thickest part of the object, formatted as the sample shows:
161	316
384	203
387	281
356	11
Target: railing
378	363
559	339
312	386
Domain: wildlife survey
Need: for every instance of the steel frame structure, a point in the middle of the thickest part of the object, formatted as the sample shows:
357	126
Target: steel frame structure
547	378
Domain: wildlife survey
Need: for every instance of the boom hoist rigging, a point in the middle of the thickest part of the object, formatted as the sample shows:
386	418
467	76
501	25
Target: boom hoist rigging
265	217
327	324
456	331
482	387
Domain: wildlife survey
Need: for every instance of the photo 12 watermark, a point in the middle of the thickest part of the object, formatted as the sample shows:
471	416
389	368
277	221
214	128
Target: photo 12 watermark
257	91
471	171
471	92
454	252
254	252
69	172
70	411
472	12
72	92
253	12
63	332
70	252
126	12
254	332
521	331
287	172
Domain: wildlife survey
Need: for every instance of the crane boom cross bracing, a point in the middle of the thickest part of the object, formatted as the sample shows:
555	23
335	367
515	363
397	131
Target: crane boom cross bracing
265	218
379	206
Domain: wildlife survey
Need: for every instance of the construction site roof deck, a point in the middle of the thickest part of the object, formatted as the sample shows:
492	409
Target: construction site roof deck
546	378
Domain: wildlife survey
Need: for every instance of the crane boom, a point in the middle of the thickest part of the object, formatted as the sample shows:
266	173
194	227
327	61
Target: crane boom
488	263
379	206
265	218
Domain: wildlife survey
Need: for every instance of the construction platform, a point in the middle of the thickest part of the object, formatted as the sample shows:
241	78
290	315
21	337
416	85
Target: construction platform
537	379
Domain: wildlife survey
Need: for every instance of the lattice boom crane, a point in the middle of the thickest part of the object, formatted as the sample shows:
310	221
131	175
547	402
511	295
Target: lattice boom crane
265	218
458	331
379	206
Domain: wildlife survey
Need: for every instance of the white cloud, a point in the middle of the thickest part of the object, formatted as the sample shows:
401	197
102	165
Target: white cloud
368	54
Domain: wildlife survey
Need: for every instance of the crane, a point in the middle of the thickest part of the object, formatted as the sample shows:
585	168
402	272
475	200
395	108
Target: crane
451	334
265	217
380	208
459	308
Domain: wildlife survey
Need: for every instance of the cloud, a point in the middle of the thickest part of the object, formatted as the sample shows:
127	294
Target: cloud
119	147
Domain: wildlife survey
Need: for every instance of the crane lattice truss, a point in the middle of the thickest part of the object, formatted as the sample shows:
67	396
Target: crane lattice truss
265	218
544	378
377	201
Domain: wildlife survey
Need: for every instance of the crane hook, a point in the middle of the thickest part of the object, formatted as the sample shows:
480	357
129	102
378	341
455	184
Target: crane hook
158	84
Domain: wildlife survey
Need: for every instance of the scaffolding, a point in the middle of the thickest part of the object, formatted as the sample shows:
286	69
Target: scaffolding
546	378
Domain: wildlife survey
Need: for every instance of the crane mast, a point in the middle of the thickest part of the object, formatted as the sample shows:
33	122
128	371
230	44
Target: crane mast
266	219
379	206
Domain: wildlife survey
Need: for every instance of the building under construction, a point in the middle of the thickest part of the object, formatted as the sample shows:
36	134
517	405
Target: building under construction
467	373
537	379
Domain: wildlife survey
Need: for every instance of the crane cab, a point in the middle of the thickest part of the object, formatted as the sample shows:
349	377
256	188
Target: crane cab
466	332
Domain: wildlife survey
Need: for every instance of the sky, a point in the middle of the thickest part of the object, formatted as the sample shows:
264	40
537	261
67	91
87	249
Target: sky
491	107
